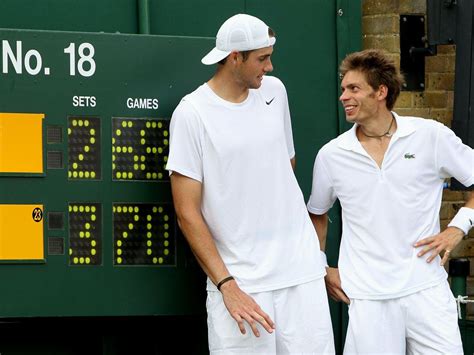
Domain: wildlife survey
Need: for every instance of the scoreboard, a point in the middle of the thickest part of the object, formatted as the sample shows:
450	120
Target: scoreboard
87	225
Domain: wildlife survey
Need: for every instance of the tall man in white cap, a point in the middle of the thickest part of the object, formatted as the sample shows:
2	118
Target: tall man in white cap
240	207
388	173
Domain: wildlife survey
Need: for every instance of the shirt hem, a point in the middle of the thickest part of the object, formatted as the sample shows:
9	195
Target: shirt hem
398	294
212	288
318	211
468	182
184	172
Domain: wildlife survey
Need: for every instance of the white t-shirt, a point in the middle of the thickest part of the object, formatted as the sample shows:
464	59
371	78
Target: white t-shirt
251	200
385	211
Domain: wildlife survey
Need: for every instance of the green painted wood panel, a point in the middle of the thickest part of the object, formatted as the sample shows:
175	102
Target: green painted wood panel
191	18
70	15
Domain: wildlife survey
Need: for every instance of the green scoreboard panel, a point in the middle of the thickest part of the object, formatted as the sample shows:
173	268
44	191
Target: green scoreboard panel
87	225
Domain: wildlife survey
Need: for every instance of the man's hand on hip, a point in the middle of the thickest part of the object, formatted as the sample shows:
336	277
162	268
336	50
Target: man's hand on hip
242	308
445	241
333	285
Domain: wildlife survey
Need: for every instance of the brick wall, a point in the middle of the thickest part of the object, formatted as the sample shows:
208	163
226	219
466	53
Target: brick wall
381	29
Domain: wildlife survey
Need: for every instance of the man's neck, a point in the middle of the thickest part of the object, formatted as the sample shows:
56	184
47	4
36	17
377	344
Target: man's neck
378	125
225	86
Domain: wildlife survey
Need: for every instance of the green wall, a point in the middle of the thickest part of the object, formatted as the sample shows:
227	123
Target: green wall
313	36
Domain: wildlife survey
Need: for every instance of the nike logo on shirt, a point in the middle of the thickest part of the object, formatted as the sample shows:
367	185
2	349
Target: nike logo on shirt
269	102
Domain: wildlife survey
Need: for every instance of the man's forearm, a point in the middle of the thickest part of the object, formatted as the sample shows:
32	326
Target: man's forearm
470	200
203	246
320	223
187	198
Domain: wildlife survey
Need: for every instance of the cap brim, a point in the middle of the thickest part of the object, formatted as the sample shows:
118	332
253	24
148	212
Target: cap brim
214	56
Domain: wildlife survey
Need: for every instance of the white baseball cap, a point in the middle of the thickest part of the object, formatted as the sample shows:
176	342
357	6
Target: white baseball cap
241	32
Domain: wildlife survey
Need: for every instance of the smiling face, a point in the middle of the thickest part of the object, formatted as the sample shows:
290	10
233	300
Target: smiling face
361	102
249	73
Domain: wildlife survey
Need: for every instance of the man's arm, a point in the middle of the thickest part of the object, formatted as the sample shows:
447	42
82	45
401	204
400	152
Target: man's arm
320	223
333	280
187	195
448	239
293	163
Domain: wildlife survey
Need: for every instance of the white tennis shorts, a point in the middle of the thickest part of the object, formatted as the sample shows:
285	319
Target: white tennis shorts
423	323
301	316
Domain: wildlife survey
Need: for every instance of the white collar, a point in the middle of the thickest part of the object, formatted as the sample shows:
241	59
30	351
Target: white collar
349	139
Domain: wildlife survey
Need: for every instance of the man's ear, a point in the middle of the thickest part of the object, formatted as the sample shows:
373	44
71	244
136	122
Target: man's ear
382	92
234	56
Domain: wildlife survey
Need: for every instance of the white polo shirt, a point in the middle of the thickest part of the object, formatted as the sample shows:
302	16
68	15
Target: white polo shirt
251	200
386	210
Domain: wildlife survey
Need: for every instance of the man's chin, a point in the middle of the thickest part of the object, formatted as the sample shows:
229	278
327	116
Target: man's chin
350	119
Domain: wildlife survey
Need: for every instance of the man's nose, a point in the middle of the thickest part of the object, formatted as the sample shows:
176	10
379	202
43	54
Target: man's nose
269	66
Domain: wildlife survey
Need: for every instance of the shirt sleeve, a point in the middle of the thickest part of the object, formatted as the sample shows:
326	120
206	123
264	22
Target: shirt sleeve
454	159
323	195
186	131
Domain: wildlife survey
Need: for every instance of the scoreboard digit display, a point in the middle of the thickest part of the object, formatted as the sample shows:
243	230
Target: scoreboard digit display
84	148
85	234
143	234
139	149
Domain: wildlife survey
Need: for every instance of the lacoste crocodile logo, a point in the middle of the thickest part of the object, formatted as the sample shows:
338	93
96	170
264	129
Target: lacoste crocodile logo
409	156
269	102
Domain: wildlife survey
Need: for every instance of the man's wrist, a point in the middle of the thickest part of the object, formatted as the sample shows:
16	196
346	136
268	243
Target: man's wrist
224	281
463	220
460	233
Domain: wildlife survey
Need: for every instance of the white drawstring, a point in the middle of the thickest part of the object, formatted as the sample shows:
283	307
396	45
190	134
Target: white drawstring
462	299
